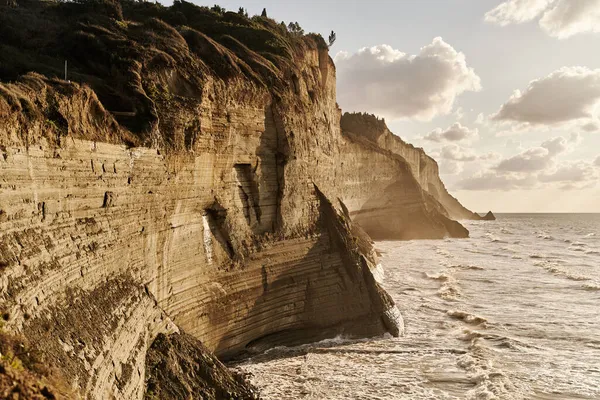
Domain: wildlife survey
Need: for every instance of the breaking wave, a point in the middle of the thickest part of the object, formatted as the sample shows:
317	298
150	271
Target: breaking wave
483	320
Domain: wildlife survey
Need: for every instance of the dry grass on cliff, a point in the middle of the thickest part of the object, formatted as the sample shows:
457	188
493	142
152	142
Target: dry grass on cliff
143	59
24	374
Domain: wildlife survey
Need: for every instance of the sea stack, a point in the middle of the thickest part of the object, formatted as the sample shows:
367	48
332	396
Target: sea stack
489	216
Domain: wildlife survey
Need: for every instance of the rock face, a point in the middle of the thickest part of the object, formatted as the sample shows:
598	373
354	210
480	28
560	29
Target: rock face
180	367
385	198
191	179
424	168
489	216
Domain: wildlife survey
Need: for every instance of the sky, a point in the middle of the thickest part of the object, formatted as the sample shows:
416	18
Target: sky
503	94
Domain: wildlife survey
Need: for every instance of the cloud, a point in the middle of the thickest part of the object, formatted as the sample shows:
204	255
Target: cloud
534	159
456	153
591	126
450	167
480	120
516	11
396	85
570	17
537	158
535	167
489	156
454	133
555	145
493	181
575	139
597	161
559	18
513	145
459	113
568	94
578	171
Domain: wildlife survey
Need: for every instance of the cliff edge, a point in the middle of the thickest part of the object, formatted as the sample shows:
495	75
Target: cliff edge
188	180
424	168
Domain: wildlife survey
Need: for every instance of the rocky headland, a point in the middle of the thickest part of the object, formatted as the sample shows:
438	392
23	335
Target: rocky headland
190	191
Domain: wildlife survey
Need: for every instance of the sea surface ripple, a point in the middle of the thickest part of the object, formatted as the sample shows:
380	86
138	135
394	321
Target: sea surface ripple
510	313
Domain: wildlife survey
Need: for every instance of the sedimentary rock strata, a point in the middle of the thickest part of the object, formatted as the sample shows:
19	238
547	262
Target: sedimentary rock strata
424	168
191	179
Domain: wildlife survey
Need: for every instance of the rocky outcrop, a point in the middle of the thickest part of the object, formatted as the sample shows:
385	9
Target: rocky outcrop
384	197
191	179
181	367
424	168
489	216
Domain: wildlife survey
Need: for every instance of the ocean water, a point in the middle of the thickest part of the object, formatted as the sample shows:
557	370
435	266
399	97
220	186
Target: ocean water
511	313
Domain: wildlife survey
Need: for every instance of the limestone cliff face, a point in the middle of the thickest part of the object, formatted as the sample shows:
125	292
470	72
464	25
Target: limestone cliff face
385	198
424	168
191	178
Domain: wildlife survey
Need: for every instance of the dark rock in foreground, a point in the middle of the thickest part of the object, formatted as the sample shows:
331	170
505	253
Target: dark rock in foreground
179	366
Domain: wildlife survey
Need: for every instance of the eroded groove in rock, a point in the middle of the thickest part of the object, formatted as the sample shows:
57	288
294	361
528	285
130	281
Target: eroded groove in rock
374	131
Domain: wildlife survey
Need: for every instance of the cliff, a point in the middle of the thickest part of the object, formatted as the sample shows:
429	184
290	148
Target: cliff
188	181
424	168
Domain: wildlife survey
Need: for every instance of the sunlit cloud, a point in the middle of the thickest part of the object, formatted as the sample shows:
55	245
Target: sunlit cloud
455	133
568	94
396	85
558	18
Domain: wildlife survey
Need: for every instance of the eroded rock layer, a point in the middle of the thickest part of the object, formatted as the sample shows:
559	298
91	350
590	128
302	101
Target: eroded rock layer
424	168
191	178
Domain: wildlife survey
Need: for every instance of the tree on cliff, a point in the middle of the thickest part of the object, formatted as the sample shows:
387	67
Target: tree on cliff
295	28
264	13
332	38
218	9
243	12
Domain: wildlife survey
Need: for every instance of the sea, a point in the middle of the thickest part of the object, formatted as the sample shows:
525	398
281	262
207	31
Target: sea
513	312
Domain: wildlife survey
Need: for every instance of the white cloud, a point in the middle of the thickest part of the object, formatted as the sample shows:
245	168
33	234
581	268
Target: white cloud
559	18
578	171
591	126
516	11
492	181
480	120
388	82
513	145
568	94
570	17
575	139
555	145
535	167
534	159
459	113
489	156
456	153
454	133
450	167
597	161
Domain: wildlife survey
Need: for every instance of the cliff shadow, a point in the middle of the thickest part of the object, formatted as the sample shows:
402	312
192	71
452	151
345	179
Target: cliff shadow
318	291
403	212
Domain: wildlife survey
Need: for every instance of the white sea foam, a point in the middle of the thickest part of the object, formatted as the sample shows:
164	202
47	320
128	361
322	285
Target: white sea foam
483	321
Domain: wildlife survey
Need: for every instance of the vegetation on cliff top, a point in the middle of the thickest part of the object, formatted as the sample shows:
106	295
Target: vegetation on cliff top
139	57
